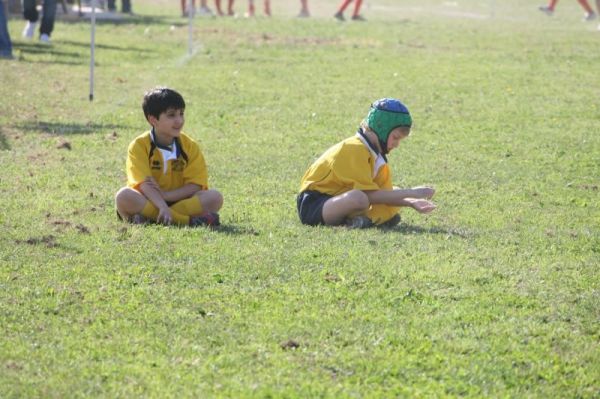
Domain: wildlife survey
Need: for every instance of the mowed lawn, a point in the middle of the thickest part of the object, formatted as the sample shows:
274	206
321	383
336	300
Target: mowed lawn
495	294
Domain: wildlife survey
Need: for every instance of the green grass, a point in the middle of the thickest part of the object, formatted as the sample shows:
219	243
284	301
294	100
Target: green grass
496	294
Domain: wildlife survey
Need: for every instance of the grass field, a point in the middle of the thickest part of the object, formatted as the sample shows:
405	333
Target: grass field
496	294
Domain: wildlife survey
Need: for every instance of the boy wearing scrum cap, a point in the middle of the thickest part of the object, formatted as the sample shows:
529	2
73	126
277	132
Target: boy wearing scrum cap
351	182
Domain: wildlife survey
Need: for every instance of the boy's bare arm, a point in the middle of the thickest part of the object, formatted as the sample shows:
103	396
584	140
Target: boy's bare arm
152	191
415	198
182	192
398	196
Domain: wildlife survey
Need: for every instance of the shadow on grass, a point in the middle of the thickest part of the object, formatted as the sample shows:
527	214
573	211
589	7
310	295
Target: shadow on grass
65	128
3	141
126	19
86	44
38	48
410	229
231	229
63	57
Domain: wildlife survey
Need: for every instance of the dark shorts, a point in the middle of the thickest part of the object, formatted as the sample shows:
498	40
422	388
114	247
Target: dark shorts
310	207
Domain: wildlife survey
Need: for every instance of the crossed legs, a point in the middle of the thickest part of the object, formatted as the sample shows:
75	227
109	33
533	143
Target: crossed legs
130	202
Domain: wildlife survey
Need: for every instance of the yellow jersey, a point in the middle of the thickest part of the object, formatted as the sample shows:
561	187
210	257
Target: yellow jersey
172	168
352	165
348	165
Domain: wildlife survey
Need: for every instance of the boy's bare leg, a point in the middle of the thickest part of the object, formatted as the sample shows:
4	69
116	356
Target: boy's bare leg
211	200
129	202
338	208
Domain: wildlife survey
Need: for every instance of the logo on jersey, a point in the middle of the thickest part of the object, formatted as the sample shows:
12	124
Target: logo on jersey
177	165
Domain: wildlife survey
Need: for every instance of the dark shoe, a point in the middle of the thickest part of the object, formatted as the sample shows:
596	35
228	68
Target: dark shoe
394	221
358	18
206	219
359	222
339	16
138	219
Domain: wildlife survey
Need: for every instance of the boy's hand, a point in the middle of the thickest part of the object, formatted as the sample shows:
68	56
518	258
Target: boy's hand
164	216
422	206
423	192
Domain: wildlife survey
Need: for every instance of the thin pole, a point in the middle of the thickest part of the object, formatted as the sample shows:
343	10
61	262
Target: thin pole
190	26
92	48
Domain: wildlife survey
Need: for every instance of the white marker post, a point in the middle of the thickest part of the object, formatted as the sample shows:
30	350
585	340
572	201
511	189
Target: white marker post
190	27
92	48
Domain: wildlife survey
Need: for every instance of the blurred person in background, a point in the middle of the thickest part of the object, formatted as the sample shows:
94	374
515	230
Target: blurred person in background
304	13
30	13
125	6
5	42
339	15
203	11
589	15
251	9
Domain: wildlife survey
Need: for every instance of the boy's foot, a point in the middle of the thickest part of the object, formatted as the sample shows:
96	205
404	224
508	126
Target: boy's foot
138	219
358	17
339	16
395	221
303	14
359	222
546	10
589	16
45	38
29	30
205	219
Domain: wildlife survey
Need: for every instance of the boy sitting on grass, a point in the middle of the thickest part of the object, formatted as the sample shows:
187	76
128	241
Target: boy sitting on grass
351	182
167	180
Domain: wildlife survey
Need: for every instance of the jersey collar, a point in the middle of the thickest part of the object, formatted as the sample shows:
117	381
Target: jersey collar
172	147
374	151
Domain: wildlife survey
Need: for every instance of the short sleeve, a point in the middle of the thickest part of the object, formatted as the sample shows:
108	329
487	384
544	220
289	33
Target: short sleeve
195	172
137	165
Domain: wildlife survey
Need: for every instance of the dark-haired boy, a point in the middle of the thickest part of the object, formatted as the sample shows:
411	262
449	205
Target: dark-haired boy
167	180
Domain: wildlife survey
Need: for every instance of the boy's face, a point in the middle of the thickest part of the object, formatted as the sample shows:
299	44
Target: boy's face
169	124
396	135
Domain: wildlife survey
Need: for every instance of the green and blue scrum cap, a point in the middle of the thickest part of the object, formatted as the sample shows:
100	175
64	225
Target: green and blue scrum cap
387	114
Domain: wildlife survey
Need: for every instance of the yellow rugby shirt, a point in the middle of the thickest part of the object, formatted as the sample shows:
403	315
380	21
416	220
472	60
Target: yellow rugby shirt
348	165
171	168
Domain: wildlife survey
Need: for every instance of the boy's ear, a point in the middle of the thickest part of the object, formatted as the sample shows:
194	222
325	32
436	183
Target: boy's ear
153	120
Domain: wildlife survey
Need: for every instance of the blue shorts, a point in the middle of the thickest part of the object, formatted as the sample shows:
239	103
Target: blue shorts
310	207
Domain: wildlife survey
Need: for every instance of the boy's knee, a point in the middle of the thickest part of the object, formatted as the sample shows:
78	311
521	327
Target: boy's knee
121	195
211	199
125	195
359	200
